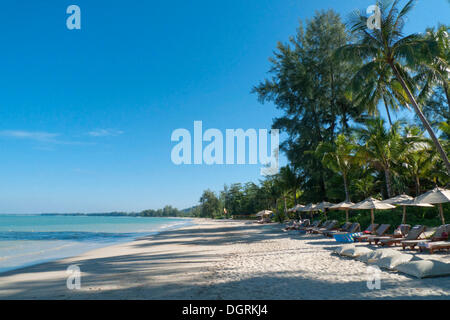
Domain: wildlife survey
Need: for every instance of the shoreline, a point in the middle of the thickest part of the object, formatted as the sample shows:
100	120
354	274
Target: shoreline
98	246
218	259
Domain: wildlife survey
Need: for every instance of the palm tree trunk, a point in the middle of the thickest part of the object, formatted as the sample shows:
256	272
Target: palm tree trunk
404	215
417	186
387	175
347	194
441	213
447	94
387	111
425	122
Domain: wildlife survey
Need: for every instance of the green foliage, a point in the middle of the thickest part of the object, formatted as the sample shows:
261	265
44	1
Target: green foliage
329	82
210	205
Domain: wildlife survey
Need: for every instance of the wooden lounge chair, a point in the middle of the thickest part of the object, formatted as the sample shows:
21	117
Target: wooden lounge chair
354	227
305	223
345	227
331	226
380	231
298	225
321	225
291	224
315	224
400	232
439	235
413	234
433	246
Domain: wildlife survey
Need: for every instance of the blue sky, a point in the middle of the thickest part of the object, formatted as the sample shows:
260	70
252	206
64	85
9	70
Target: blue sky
86	115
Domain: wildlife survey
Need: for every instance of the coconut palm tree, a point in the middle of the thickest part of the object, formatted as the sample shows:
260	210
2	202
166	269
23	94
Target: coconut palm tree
416	156
437	72
380	146
369	87
387	46
340	158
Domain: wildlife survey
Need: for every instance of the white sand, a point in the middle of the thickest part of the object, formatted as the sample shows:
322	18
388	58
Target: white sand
219	260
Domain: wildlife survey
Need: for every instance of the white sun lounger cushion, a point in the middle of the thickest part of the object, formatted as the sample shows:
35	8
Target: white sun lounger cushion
425	268
392	261
382	253
339	249
355	252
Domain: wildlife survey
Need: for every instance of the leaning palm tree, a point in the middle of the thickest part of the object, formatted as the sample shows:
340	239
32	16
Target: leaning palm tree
387	46
369	86
381	147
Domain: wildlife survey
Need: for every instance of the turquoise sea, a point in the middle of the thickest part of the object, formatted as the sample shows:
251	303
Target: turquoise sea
32	239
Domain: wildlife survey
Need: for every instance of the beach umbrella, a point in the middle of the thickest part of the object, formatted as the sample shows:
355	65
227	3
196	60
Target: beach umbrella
344	205
404	200
435	196
411	203
397	200
309	208
324	205
264	213
296	208
372	204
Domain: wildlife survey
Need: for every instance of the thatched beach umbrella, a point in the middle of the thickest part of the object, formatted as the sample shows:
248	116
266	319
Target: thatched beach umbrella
435	196
324	205
404	201
344	205
372	204
264	213
296	208
397	200
309	208
411	203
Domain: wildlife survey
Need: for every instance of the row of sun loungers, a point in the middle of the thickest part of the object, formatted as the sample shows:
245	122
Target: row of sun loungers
403	235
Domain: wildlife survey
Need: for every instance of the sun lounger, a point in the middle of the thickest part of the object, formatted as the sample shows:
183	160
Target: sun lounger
433	246
380	232
413	234
298	225
354	228
441	234
319	225
331	226
315	224
345	228
400	232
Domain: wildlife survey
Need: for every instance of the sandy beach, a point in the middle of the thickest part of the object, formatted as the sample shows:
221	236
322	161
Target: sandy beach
219	260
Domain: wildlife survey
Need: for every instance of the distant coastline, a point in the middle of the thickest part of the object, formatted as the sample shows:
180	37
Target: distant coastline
166	212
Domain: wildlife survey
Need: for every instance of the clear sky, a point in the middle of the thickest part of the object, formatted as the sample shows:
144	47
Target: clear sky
86	115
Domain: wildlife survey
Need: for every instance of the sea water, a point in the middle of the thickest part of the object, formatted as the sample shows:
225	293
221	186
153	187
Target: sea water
32	239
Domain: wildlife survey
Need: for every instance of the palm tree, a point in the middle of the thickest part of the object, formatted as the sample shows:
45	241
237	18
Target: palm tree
340	158
416	155
290	181
437	72
388	47
376	83
380	146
